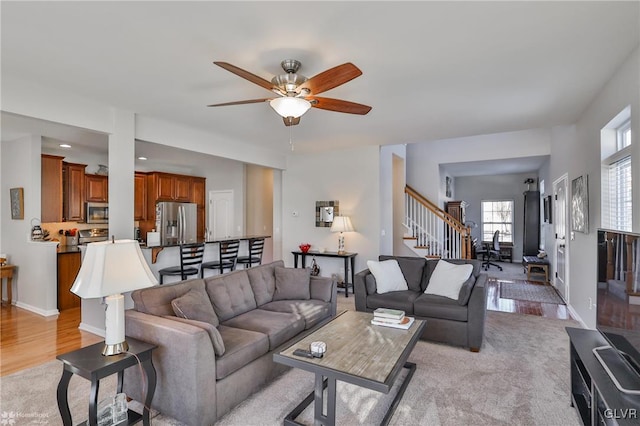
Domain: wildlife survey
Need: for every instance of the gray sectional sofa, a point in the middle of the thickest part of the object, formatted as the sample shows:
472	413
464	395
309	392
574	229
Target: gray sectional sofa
216	336
457	322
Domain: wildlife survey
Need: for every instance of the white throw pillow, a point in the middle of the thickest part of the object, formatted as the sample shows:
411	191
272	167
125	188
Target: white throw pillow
388	276
447	279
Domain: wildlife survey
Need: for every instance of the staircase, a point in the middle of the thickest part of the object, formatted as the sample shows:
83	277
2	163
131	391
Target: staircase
432	232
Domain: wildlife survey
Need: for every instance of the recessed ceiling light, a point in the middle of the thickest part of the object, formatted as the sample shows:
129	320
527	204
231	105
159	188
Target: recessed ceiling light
142	158
65	145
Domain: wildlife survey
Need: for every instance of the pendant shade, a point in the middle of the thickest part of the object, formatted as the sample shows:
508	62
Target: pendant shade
289	106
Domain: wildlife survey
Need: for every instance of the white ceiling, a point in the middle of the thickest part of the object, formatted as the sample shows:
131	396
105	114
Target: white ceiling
431	70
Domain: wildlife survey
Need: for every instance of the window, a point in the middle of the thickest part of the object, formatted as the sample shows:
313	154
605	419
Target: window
617	202
497	215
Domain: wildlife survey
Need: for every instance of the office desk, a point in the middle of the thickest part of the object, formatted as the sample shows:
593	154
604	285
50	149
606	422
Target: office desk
349	262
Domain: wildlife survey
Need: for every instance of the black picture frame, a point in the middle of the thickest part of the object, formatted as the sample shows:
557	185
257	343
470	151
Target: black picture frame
548	217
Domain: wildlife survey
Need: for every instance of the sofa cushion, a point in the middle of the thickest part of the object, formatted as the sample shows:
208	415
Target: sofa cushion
321	288
156	300
292	284
432	263
388	276
242	347
402	300
195	305
412	268
465	291
312	311
263	281
214	334
278	326
230	294
432	306
447	279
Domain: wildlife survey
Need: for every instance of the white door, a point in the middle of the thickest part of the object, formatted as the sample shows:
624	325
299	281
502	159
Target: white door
560	219
221	214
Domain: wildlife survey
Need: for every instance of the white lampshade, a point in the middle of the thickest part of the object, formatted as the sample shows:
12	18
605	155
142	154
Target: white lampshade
112	268
108	269
289	106
341	224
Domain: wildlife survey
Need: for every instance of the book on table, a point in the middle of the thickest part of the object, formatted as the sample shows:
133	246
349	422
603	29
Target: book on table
393	314
404	324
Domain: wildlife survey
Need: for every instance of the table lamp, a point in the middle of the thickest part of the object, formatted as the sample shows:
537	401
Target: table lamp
109	269
341	224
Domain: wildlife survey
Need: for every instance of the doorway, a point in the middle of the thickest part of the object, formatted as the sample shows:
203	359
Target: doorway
560	220
220	214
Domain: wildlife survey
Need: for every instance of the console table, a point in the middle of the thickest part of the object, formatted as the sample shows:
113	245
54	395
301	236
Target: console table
6	271
593	393
349	258
89	363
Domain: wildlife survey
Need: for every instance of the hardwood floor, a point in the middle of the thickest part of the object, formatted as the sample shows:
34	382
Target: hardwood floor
496	303
28	339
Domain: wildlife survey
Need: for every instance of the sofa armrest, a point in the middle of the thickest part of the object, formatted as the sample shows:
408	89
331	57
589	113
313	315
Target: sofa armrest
326	289
477	312
183	390
360	290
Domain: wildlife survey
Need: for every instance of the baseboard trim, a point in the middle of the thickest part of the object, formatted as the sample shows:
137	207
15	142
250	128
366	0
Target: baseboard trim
575	315
36	310
91	329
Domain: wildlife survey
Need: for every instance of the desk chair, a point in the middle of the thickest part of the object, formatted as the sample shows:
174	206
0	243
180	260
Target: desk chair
190	261
256	246
492	251
228	258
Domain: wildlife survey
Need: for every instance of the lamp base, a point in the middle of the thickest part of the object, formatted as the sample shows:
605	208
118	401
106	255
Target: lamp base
115	349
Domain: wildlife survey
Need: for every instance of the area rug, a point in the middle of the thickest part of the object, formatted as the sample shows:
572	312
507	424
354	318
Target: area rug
520	377
530	292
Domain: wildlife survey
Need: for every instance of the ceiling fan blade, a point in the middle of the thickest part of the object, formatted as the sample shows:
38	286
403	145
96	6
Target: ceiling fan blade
338	105
331	78
249	101
247	75
291	121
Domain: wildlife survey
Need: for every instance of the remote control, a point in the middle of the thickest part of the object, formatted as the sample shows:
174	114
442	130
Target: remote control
302	352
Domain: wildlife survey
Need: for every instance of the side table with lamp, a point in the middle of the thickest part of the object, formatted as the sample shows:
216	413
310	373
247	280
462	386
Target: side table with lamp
109	269
6	271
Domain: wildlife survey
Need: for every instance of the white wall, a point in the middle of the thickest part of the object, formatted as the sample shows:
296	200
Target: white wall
576	151
424	159
349	176
391	178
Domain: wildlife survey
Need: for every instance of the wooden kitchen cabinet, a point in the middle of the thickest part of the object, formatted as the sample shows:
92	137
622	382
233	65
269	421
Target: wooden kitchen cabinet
198	196
68	267
96	188
73	191
171	187
140	196
51	188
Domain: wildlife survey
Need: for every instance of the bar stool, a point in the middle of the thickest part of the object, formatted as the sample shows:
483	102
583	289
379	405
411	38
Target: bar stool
190	261
256	246
228	258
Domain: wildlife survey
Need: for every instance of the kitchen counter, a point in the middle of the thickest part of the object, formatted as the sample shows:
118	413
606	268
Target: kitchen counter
155	250
68	249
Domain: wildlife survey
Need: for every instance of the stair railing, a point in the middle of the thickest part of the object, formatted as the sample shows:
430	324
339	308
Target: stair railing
436	231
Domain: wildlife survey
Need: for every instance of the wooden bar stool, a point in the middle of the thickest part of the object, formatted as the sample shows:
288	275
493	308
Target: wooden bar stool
228	258
190	261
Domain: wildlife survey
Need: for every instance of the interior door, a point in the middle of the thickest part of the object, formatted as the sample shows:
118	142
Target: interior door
221	214
560	219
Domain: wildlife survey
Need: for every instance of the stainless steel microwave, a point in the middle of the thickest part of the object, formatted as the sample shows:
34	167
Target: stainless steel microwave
97	213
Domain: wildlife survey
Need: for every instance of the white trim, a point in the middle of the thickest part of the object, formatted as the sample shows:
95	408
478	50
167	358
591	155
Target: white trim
575	315
36	310
91	329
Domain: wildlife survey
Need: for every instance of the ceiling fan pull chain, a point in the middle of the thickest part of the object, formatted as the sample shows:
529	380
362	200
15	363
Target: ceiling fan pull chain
290	133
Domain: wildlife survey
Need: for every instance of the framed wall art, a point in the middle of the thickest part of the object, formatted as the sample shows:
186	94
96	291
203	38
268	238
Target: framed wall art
325	211
580	204
17	203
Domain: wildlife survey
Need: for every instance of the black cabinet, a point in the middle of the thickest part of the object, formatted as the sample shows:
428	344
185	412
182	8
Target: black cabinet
593	393
531	237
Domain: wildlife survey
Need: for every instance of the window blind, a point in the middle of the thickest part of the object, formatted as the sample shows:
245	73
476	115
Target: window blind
620	202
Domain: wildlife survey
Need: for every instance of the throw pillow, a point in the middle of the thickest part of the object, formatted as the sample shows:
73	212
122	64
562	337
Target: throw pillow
214	334
195	305
447	279
388	276
412	269
292	284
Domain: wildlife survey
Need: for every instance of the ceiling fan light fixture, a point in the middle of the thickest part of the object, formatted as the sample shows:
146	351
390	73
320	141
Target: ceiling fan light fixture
290	106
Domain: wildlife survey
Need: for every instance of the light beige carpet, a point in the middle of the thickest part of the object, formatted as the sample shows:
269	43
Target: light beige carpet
520	377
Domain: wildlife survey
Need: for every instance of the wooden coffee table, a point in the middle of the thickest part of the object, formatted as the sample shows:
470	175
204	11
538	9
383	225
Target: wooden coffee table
357	352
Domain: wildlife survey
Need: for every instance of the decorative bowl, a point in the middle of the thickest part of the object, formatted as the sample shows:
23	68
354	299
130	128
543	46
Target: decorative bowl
304	247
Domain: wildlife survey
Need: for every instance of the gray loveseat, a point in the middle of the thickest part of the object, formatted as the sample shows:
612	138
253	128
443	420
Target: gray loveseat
456	322
207	366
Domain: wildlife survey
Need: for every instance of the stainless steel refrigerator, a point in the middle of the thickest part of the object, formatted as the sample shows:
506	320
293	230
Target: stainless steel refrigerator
176	222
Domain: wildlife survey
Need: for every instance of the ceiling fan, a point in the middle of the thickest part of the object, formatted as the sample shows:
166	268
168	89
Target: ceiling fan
297	93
